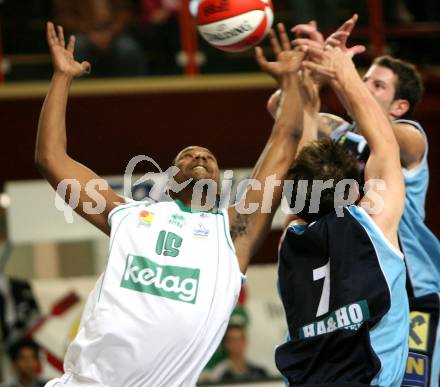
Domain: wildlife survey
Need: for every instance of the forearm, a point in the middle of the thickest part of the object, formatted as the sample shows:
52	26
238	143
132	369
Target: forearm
289	120
51	136
310	131
371	120
336	87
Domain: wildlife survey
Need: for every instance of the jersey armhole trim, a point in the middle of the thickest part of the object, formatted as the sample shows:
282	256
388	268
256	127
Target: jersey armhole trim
225	229
410	173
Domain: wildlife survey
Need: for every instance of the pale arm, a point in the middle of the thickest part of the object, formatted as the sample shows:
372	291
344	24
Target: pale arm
374	125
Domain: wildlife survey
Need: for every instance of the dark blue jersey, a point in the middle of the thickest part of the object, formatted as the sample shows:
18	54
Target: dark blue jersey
342	285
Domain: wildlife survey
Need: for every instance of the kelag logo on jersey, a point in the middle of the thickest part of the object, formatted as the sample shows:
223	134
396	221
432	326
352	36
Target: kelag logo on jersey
416	371
348	317
176	283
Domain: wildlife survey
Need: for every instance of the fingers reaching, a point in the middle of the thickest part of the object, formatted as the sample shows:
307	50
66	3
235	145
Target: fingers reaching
349	24
306	42
285	42
52	37
320	69
340	37
308	30
71	44
61	36
261	59
316	52
276	48
358	49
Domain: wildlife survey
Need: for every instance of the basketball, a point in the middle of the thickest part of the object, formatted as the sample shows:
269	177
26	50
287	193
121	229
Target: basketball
234	25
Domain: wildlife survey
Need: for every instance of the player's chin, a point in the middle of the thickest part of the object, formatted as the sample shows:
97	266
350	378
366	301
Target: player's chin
202	175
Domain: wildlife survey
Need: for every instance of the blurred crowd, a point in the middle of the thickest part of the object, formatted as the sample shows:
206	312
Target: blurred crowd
141	37
119	37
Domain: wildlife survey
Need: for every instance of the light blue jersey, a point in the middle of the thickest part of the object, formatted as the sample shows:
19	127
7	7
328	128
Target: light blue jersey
389	338
420	246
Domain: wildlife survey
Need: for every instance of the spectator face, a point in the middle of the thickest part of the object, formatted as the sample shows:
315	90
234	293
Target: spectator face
381	82
235	342
27	364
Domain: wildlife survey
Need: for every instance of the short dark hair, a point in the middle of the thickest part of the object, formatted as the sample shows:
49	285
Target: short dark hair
15	349
322	160
409	84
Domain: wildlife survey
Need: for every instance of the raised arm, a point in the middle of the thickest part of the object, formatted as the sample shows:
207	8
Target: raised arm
51	146
384	162
308	35
249	228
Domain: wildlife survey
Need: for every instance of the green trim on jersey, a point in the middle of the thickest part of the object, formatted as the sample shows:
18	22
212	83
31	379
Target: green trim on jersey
190	210
227	234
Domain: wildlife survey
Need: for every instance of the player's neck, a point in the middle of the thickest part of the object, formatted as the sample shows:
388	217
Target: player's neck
188	200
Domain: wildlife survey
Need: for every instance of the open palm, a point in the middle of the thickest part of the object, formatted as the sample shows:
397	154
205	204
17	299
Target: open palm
62	55
288	60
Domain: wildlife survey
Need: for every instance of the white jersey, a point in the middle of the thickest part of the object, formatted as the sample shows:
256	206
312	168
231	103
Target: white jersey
160	309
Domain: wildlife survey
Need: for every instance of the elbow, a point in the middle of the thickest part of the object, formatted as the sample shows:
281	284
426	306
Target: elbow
43	161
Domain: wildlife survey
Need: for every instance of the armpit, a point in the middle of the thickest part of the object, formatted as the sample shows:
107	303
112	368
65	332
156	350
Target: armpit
239	226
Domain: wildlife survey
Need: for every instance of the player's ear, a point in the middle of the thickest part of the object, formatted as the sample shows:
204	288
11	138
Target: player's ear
399	107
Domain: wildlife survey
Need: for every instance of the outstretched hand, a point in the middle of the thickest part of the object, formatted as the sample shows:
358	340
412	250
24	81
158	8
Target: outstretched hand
313	38
62	55
331	63
288	60
339	38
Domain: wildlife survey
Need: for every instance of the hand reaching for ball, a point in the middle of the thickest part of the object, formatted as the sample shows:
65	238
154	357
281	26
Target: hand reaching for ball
288	60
